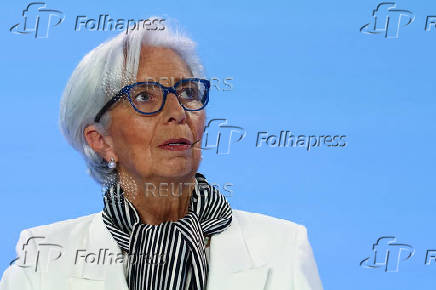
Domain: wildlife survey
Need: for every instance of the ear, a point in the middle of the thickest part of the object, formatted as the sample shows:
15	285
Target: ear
101	144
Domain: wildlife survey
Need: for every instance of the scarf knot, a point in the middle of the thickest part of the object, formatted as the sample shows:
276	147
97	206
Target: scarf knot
170	255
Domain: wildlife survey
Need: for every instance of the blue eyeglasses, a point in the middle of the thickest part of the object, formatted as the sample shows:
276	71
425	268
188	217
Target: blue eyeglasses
149	97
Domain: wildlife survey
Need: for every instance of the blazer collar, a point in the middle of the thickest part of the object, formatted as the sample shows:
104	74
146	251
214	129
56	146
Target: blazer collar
230	265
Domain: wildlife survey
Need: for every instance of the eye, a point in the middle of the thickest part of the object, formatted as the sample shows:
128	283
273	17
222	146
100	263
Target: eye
143	97
189	94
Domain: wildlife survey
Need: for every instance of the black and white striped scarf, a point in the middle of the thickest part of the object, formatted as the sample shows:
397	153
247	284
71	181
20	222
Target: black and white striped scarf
170	255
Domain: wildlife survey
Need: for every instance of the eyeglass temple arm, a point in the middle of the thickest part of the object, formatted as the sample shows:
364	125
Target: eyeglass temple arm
108	105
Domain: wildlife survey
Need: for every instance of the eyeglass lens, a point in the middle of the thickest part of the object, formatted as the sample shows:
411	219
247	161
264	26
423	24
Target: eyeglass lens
149	97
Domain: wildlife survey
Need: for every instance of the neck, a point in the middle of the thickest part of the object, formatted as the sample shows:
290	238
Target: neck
159	199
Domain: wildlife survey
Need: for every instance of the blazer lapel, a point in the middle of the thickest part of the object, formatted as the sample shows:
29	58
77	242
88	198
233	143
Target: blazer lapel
230	264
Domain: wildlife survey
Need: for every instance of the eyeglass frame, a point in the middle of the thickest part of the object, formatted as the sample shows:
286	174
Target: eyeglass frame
125	91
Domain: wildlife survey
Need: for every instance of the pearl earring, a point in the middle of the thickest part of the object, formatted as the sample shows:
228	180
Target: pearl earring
112	164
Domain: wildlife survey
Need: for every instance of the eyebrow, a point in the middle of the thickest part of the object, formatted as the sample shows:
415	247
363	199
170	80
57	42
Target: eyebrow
166	79
178	79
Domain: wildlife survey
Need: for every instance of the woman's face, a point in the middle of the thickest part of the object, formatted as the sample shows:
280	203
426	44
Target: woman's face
139	140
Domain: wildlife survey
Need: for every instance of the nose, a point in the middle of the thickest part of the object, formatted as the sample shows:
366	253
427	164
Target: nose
173	111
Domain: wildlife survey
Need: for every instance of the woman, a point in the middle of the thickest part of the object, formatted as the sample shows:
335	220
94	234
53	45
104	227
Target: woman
134	107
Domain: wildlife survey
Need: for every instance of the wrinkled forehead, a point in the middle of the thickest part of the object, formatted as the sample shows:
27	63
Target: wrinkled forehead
161	64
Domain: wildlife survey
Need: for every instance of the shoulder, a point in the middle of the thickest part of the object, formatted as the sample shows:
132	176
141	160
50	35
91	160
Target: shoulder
281	244
64	230
68	224
38	248
264	224
269	237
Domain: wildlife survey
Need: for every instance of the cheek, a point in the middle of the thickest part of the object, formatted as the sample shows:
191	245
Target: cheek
197	131
132	139
198	125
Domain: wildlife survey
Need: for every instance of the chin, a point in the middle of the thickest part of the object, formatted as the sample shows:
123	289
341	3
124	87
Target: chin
176	169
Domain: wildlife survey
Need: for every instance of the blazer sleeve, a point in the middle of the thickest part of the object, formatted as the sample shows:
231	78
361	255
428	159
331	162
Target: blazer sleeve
19	276
306	275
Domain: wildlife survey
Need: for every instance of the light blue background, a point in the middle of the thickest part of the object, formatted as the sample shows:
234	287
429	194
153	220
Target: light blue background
296	65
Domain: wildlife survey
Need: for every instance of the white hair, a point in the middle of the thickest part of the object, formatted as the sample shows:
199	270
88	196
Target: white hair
103	72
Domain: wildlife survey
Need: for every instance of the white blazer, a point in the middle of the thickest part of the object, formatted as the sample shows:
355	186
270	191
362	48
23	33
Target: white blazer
256	252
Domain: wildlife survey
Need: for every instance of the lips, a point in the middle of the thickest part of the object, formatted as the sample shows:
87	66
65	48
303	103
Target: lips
179	144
